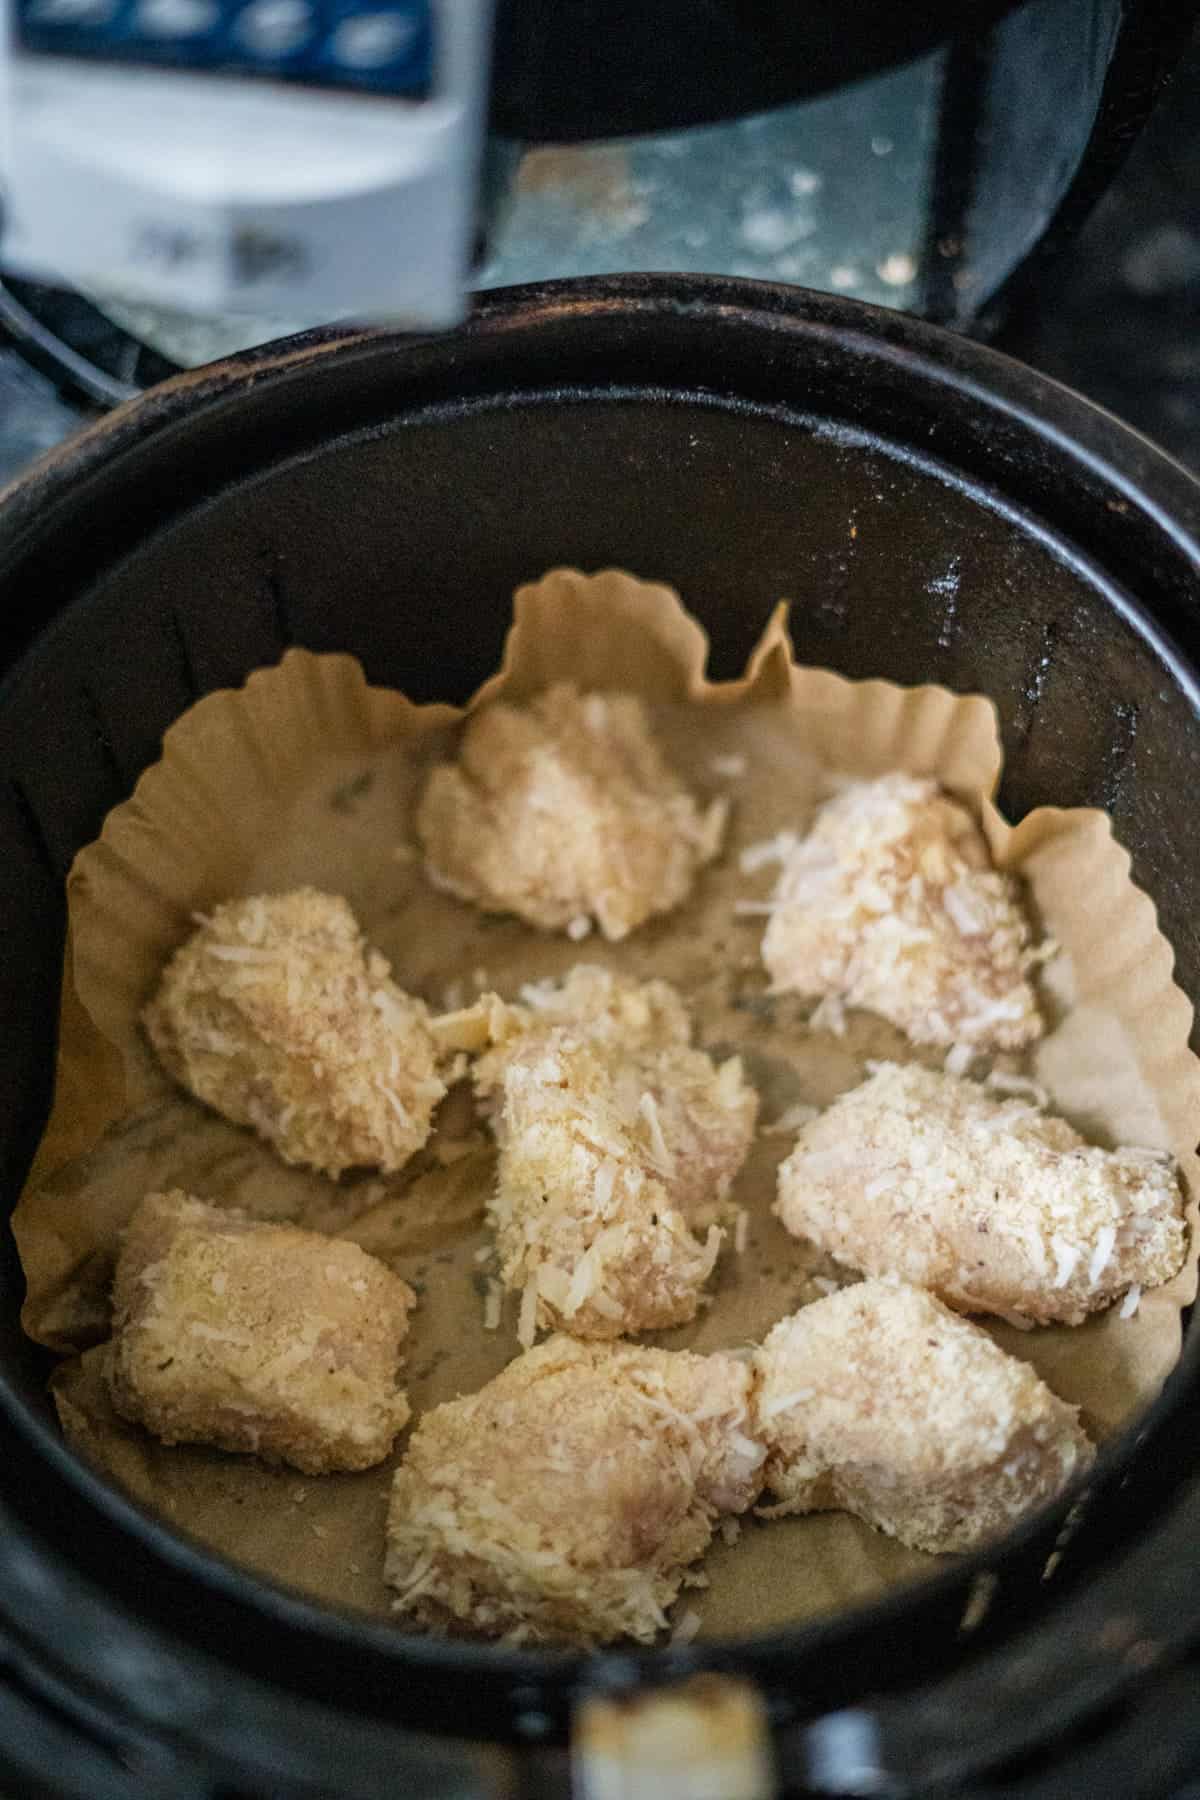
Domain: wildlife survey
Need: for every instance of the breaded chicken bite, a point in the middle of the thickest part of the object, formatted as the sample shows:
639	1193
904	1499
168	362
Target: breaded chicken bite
567	1499
279	1015
606	1160
258	1338
891	903
879	1401
564	812
994	1204
618	1143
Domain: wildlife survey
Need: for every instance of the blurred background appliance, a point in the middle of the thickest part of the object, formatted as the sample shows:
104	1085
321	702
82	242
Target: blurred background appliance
184	178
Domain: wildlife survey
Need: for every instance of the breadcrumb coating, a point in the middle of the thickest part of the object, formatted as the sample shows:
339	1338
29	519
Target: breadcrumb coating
891	903
279	1015
567	1499
256	1338
994	1204
563	812
881	1402
605	1007
618	1143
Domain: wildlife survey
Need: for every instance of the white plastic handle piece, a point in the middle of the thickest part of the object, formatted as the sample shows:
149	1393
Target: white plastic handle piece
226	194
705	1739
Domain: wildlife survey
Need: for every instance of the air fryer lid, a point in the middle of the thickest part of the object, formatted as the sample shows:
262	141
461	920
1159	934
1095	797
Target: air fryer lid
362	493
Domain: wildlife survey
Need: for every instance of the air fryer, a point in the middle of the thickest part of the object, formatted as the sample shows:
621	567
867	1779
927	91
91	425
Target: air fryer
366	493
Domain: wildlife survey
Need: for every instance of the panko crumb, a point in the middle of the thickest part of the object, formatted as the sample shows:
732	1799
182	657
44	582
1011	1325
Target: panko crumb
881	1402
493	1305
566	811
618	1142
891	904
566	1501
277	1014
686	1627
992	1203
790	1120
256	1338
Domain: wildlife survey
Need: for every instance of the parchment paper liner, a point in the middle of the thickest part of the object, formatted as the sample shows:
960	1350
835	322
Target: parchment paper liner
308	774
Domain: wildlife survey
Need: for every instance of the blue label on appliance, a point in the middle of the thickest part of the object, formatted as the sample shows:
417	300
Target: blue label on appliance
385	47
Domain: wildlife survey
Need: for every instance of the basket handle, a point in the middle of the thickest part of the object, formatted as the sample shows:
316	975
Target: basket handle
705	1738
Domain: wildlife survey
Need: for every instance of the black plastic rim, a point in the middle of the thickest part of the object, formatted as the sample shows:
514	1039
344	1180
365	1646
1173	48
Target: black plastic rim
1031	423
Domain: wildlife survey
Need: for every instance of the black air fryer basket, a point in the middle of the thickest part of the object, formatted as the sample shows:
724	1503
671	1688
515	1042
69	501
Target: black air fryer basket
364	493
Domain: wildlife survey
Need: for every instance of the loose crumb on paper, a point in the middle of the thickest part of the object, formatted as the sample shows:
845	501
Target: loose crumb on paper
794	1119
729	768
687	1627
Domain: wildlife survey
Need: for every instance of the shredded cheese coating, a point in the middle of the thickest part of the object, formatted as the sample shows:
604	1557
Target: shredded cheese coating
618	1145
